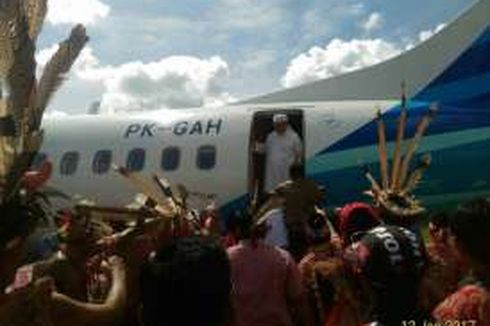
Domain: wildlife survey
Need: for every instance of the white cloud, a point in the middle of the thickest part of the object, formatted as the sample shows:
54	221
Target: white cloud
373	22
170	83
425	35
76	11
337	57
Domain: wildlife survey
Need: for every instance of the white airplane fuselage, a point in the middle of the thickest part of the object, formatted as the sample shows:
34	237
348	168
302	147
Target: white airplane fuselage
228	131
210	150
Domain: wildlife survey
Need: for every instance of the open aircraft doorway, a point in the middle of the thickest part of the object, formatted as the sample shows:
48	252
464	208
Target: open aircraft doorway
262	126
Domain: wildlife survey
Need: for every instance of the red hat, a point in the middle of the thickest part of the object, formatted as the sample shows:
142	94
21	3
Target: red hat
347	224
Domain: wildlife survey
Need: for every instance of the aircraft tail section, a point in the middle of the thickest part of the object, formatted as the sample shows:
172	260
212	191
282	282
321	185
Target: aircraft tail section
451	66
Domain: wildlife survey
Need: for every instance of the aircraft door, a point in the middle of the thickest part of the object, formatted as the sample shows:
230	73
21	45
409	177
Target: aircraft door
263	126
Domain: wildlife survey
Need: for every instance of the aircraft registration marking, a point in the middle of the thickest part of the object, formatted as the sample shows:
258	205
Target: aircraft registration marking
210	127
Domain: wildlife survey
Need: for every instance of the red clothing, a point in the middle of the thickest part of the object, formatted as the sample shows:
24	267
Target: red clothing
266	285
307	270
441	276
469	303
346	308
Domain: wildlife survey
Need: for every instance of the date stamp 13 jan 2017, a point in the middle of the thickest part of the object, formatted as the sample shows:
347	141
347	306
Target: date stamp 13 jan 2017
439	323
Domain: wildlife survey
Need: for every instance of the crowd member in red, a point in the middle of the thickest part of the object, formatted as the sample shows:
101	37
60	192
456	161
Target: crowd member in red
69	267
186	282
267	289
470	229
389	262
438	244
321	249
443	271
354	219
337	290
39	303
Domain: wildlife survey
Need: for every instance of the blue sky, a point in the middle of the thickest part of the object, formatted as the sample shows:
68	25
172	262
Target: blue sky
151	54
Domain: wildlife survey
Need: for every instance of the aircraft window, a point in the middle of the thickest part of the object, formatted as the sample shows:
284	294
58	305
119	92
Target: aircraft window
38	160
136	160
170	158
206	157
69	163
102	162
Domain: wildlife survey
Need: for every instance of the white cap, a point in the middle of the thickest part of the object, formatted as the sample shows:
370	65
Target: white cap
278	118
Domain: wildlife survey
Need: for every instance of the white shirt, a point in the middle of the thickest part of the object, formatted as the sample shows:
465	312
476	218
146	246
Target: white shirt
277	235
282	150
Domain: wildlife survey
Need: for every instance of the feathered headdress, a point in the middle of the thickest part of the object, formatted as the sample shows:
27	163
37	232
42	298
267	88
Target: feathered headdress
394	192
23	100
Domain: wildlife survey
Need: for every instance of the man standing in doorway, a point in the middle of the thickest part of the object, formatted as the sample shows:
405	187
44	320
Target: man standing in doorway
283	148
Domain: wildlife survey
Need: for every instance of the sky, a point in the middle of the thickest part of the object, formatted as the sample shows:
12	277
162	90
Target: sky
157	54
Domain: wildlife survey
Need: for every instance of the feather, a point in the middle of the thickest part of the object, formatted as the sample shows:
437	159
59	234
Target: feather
57	68
148	188
166	189
21	108
35	12
33	142
9	35
7	144
400	133
375	188
17	63
6	157
412	148
255	197
416	175
383	160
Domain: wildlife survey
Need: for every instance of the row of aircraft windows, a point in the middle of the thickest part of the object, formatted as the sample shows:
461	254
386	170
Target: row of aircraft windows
135	160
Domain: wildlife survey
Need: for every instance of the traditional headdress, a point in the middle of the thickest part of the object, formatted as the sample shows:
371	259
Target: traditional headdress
395	194
23	99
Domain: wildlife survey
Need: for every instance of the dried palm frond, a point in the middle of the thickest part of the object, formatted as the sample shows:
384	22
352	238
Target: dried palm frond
397	198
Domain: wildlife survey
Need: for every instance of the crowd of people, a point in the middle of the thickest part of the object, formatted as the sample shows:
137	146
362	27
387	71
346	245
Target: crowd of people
283	261
286	262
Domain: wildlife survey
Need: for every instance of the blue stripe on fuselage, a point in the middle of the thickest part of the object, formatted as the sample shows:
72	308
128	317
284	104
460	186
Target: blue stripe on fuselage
473	62
455	170
449	118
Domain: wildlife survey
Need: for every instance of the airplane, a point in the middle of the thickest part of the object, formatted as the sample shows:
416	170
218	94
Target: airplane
211	151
